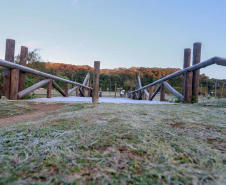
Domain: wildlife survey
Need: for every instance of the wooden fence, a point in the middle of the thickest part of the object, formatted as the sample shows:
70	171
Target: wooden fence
14	78
190	82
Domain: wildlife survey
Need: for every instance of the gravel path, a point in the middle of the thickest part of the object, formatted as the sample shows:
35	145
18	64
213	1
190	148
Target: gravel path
101	100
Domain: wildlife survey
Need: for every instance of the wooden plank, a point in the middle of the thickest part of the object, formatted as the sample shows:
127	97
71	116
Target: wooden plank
49	88
95	97
162	92
196	73
9	56
72	90
66	88
156	91
23	60
57	87
14	84
32	88
151	91
173	91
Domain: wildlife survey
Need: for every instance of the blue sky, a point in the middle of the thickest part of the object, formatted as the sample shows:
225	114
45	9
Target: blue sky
119	33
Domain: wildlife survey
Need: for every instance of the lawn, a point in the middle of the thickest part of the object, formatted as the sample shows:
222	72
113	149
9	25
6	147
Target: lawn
116	144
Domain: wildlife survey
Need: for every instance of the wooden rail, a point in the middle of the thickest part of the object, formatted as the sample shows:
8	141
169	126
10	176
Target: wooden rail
190	79
14	77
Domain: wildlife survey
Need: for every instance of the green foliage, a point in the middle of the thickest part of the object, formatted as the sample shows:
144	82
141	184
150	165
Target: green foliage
62	84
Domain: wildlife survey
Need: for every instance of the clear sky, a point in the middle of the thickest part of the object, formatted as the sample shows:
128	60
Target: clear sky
119	33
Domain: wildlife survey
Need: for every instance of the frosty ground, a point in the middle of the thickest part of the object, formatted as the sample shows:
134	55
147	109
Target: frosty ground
109	143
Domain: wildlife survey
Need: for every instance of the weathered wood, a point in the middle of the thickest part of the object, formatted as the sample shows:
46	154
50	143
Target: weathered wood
23	60
211	61
85	82
156	91
187	78
32	88
151	91
136	97
173	91
9	56
14	84
140	86
66	88
162	92
143	95
196	73
72	90
77	91
57	87
100	93
95	97
25	69
49	88
81	92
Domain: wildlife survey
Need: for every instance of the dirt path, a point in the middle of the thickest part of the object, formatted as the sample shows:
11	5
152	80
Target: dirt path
40	110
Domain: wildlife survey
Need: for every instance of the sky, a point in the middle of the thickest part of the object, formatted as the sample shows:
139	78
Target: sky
119	33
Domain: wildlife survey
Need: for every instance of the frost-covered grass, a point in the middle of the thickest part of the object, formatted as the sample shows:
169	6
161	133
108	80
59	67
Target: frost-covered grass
13	107
118	144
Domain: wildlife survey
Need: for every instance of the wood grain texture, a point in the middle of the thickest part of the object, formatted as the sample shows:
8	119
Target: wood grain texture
23	60
95	97
196	73
9	56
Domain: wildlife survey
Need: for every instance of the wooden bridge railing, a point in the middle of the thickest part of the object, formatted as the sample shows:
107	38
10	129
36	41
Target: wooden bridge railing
190	79
14	78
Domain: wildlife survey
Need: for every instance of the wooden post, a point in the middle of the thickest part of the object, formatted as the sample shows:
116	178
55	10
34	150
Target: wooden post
162	92
195	80
95	97
77	91
66	88
23	60
9	56
151	91
143	95
187	79
49	88
14	84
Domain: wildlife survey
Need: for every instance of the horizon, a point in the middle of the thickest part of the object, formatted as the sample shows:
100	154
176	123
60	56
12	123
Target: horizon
117	33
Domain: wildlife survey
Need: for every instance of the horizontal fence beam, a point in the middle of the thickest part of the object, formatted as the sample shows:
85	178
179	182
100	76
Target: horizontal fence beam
214	60
11	65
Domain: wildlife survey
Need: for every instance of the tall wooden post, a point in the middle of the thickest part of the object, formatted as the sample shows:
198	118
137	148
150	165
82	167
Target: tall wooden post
95	97
162	92
9	56
187	79
23	60
49	89
151	91
66	88
195	81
